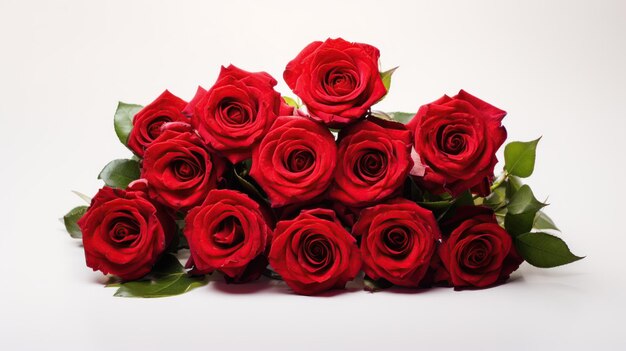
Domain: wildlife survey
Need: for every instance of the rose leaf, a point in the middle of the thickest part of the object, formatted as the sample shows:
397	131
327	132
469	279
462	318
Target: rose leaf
123	120
119	173
292	102
519	157
168	278
70	220
543	221
386	77
544	250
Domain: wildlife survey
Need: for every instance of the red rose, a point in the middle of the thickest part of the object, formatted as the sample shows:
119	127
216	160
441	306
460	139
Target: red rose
314	253
398	240
237	111
294	162
180	170
456	139
124	233
147	122
373	161
476	251
338	81
189	109
227	232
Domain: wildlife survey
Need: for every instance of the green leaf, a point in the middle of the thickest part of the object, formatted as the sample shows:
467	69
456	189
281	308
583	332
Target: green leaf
524	201
70	220
516	224
119	173
123	120
270	273
168	278
519	157
292	102
513	184
381	115
84	197
497	198
372	285
521	211
402	117
543	221
246	185
544	250
386	77
436	205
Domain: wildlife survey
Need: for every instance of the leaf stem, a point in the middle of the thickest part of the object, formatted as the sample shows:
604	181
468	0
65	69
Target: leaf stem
501	178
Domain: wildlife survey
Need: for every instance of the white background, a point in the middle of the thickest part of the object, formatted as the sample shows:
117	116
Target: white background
557	67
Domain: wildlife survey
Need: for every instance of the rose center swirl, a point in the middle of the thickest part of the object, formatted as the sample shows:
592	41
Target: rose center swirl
371	166
185	169
339	82
317	251
299	160
154	129
397	240
229	233
450	141
124	231
476	255
233	112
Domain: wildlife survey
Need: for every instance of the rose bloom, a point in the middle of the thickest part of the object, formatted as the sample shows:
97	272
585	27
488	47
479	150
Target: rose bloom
373	161
180	170
338	81
476	251
398	239
456	139
237	111
227	232
294	162
124	233
314	253
148	121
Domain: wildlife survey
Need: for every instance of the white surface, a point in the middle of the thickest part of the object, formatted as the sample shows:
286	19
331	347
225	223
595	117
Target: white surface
557	67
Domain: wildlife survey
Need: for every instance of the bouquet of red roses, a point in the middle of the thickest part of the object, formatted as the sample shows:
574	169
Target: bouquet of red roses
315	190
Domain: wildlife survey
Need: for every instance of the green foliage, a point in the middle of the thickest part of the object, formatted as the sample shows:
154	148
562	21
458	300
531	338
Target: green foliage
521	211
386	77
123	120
372	285
519	157
292	102
524	201
544	250
119	173
543	222
168	278
70	220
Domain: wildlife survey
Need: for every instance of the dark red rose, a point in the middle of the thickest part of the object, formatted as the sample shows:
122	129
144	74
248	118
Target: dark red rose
237	111
180	170
338	81
124	233
314	253
398	240
147	122
189	109
294	162
456	139
373	161
476	251
226	233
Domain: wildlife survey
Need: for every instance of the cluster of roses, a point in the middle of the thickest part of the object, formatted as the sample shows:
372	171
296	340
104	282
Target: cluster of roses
250	180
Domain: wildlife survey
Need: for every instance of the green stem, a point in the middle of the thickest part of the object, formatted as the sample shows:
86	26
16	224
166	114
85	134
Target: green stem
501	178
